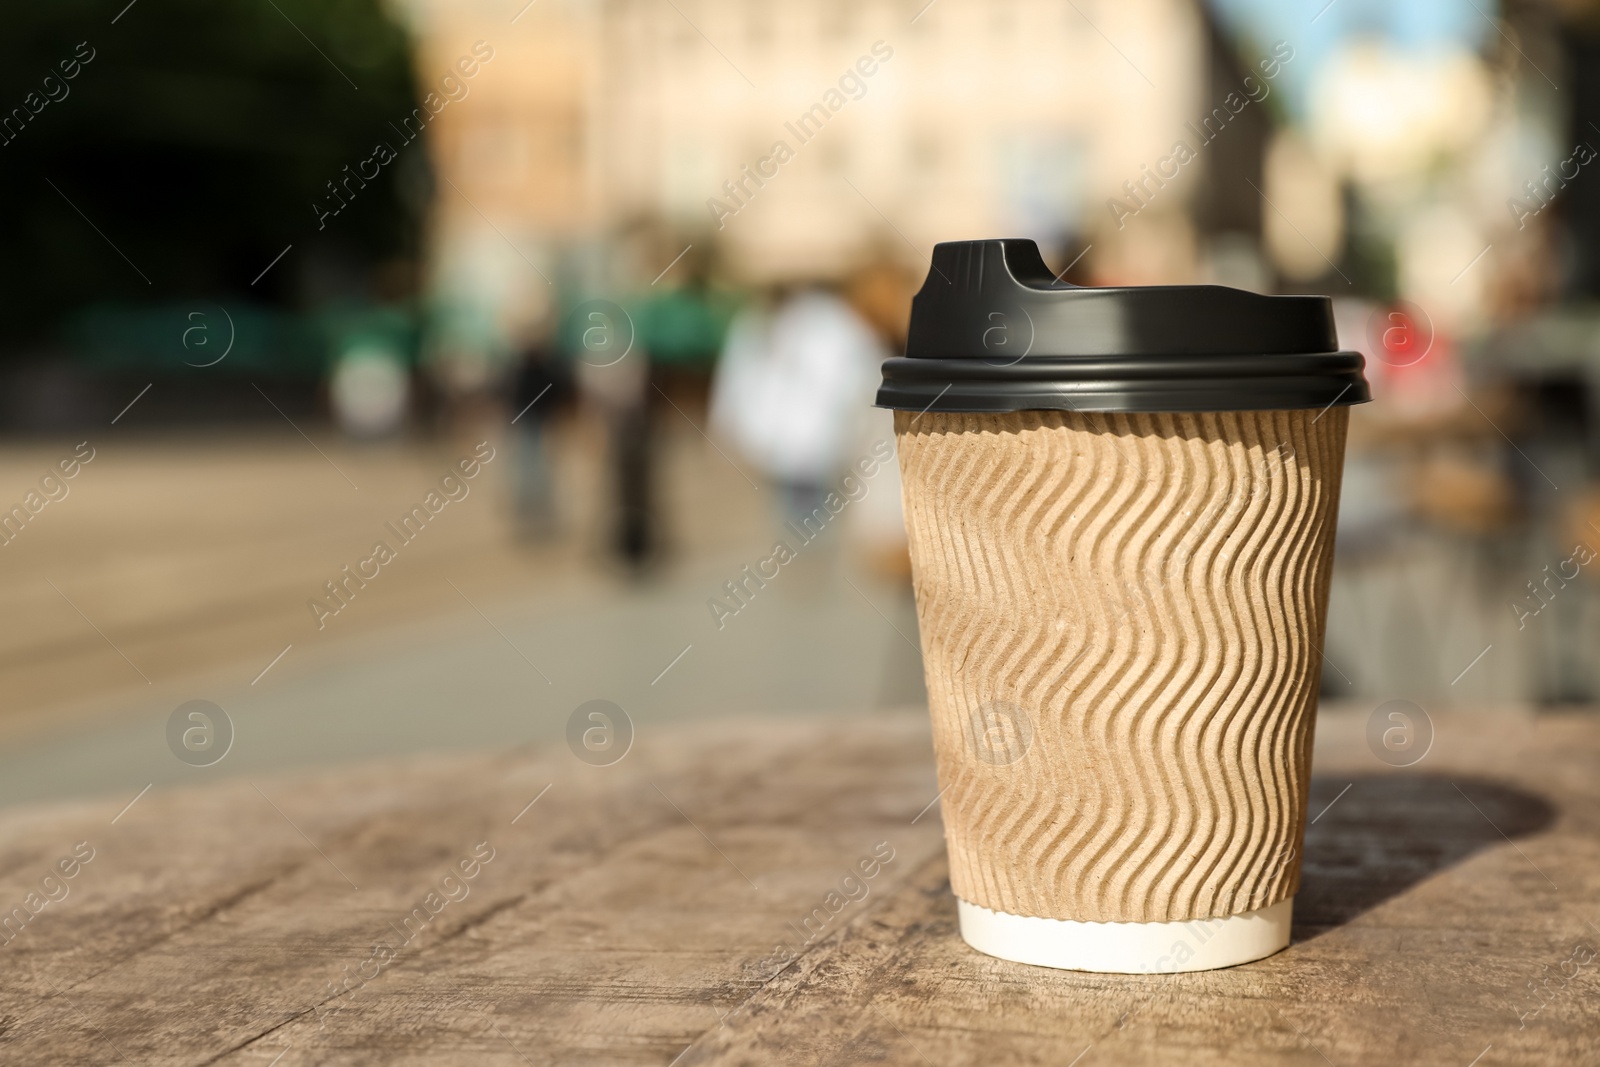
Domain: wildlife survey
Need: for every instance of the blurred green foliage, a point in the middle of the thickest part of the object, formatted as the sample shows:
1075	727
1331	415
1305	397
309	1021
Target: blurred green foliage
247	340
684	327
196	140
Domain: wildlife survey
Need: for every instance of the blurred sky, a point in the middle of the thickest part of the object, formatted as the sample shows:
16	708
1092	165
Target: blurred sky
1422	26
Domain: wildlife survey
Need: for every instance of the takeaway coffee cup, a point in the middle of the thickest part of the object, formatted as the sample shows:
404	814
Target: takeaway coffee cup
1120	505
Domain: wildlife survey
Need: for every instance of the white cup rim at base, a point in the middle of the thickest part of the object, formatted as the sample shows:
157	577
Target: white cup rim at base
1127	947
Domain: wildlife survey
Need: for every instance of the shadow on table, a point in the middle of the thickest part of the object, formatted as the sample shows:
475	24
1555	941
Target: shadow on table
1389	832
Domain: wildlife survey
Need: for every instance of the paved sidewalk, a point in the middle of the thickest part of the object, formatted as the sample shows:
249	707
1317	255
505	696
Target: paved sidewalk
177	570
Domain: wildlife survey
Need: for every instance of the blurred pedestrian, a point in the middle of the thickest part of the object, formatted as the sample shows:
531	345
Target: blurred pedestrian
637	537
797	371
541	387
612	371
675	333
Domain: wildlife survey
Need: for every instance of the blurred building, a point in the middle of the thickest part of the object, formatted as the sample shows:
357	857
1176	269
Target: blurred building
818	127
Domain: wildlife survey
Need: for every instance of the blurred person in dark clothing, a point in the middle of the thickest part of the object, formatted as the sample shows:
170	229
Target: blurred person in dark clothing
637	533
541	388
679	333
613	372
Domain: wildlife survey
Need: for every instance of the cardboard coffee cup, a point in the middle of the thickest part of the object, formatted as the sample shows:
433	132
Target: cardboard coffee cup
1120	506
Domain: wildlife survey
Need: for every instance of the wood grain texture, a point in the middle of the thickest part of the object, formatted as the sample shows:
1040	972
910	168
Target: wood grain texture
1121	617
615	925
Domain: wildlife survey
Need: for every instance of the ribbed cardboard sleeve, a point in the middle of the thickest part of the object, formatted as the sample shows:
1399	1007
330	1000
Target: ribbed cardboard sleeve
1121	619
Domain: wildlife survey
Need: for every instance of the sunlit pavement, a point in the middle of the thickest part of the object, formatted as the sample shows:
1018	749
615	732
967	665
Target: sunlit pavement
467	639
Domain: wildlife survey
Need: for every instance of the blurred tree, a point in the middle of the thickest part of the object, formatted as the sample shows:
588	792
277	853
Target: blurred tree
195	137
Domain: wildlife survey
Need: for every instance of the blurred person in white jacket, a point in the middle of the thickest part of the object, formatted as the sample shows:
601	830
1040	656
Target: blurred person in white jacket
797	374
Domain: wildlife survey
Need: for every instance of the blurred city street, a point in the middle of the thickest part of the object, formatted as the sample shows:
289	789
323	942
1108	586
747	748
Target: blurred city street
408	407
653	259
190	563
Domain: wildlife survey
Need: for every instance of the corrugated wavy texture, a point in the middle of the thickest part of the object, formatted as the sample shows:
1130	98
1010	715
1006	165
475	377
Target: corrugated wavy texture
1121	616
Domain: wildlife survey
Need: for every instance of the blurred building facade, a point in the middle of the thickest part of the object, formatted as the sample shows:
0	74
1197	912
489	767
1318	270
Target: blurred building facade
817	128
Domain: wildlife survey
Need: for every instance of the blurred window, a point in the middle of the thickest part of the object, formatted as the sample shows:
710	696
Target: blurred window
1002	18
838	19
836	155
496	152
758	26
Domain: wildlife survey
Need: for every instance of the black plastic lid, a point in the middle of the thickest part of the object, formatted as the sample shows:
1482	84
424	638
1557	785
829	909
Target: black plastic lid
993	331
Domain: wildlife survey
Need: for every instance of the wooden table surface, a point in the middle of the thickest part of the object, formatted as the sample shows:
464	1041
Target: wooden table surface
650	913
